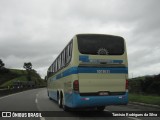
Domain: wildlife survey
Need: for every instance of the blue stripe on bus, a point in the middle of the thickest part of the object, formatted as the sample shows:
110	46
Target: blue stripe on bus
76	70
107	70
117	61
70	71
84	58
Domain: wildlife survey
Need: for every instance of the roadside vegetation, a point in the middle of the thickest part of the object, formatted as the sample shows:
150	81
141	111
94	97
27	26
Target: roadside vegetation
145	89
19	78
148	99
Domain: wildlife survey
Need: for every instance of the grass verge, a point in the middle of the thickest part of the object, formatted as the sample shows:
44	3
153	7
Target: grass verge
149	99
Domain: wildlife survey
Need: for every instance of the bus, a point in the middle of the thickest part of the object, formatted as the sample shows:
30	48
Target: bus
90	72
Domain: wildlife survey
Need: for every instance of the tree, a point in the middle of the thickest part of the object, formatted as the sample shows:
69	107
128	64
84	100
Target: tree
28	67
1	64
2	68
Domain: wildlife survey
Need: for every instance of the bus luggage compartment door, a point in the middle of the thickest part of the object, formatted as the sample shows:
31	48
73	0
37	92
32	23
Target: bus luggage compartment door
101	80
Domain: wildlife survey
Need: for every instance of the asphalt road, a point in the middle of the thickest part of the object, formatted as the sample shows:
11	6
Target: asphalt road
37	100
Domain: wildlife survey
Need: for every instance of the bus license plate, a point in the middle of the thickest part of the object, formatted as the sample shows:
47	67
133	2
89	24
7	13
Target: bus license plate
103	93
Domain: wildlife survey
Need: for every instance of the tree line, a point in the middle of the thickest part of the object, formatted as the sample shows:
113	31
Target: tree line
145	85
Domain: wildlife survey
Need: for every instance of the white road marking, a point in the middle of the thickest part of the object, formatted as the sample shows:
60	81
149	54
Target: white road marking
36	101
106	110
134	118
42	118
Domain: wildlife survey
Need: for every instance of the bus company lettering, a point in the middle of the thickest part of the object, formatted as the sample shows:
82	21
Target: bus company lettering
100	60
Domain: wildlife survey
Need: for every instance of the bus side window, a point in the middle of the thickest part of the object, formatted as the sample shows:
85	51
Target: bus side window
53	67
49	71
67	52
60	57
59	65
70	51
65	55
62	64
56	66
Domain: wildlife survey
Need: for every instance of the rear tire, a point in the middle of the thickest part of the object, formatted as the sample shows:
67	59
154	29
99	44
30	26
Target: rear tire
65	108
60	101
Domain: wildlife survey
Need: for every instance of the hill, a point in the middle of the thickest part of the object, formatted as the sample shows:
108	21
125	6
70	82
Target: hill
19	78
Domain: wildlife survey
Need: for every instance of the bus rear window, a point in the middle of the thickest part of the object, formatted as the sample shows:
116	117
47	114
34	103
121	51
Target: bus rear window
100	44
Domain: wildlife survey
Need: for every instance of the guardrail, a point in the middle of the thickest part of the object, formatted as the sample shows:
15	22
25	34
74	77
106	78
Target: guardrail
6	91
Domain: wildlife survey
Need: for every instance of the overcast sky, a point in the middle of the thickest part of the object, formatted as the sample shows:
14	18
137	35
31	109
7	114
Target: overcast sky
37	30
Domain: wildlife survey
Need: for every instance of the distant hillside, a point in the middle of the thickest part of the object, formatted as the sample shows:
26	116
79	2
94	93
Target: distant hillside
145	85
15	77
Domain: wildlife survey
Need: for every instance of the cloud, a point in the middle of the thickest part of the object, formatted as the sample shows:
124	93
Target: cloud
37	30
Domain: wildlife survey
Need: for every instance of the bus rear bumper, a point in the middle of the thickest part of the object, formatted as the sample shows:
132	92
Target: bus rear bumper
95	101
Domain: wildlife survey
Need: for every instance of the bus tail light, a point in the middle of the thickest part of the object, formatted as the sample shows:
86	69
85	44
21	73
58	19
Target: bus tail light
76	85
127	84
